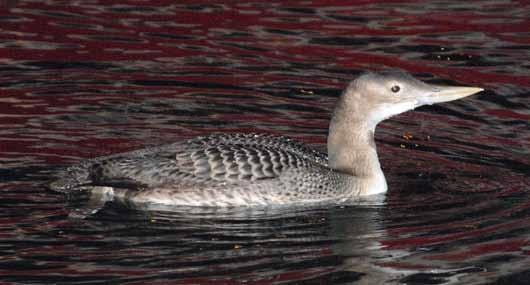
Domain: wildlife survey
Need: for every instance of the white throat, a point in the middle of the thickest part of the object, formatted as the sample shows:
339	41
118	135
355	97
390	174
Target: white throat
352	150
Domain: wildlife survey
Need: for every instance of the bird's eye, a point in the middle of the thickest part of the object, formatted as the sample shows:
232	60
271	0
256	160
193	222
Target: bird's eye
395	88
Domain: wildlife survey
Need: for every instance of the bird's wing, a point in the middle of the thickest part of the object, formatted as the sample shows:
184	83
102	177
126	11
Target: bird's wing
243	157
236	162
224	158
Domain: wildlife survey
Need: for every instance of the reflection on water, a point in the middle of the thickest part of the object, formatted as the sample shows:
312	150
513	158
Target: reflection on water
86	79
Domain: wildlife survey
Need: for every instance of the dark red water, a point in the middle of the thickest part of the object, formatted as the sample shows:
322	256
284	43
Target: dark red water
88	78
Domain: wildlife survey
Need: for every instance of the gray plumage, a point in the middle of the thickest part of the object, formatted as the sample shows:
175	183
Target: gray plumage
215	170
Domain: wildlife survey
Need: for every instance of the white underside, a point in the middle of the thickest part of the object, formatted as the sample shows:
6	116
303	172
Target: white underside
373	186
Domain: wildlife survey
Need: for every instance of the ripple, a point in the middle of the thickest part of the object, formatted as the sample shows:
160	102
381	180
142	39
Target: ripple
87	79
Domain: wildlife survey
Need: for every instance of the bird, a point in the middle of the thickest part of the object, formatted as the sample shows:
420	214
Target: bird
238	169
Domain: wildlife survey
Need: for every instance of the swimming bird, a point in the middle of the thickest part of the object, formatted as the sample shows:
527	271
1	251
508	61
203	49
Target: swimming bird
224	170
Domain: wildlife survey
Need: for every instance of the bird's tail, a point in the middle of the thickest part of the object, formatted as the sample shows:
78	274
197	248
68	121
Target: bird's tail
70	179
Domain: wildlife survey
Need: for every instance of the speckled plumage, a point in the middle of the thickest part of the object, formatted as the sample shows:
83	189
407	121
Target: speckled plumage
215	170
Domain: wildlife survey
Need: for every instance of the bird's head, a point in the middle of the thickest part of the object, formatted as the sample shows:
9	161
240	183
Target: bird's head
385	94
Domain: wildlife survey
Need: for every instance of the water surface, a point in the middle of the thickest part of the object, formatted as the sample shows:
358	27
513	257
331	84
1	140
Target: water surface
90	78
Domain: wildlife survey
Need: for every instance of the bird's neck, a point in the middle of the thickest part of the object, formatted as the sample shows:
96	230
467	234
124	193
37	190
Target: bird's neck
351	147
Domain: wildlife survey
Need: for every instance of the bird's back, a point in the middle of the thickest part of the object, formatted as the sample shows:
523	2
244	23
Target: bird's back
219	160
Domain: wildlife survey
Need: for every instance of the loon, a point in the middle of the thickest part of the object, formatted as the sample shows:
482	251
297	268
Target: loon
227	170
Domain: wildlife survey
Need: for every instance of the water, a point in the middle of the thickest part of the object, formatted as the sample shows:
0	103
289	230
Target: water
86	79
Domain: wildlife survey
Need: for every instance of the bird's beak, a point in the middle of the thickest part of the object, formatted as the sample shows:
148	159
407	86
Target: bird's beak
441	94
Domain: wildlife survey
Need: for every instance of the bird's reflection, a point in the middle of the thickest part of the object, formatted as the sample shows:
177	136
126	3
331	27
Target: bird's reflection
258	244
